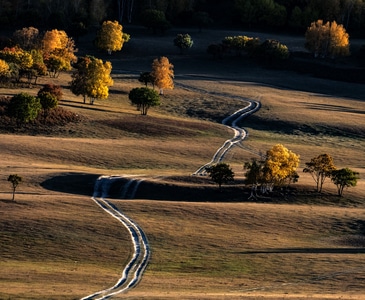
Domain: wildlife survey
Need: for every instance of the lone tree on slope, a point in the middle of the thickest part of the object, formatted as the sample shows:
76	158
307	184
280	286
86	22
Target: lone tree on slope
144	98
14	180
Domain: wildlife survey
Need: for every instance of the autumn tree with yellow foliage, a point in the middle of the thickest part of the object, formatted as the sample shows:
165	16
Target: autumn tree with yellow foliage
58	51
91	78
4	69
111	37
162	73
281	165
327	39
276	169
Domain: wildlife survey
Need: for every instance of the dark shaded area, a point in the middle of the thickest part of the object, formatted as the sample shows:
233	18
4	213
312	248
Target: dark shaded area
307	251
190	193
152	126
192	189
72	183
296	128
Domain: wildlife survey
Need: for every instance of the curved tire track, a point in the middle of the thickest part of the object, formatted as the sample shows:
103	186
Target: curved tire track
139	260
231	121
133	271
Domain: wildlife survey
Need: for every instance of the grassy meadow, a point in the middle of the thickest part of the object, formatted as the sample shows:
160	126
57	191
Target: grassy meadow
57	244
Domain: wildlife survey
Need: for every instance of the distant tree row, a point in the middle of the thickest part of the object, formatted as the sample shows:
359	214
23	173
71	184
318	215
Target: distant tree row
322	39
76	16
268	50
278	169
30	54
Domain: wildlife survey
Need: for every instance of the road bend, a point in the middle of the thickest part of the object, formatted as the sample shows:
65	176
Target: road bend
133	271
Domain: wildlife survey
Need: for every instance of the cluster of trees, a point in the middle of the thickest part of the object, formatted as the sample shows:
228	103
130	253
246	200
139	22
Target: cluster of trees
322	39
322	167
24	108
268	50
75	16
161	76
279	168
31	54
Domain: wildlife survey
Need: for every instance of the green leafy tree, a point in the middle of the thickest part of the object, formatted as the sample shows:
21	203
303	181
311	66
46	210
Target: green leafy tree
183	42
155	19
23	108
38	68
144	98
79	82
15	180
320	168
111	37
271	50
146	78
241	43
220	173
48	102
344	178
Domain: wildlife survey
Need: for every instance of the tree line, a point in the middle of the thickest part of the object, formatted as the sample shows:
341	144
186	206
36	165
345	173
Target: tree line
76	16
277	169
31	54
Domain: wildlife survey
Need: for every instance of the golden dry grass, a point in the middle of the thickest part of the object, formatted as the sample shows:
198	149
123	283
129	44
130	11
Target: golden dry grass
57	244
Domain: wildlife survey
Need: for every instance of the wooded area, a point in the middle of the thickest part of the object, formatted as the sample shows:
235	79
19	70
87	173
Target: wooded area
77	15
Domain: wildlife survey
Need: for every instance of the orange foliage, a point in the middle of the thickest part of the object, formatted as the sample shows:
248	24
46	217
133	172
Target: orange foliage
163	73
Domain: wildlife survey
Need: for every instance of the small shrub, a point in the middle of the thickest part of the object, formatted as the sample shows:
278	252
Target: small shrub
53	89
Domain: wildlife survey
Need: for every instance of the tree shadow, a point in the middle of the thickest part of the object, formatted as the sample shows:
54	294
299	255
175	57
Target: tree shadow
72	183
349	250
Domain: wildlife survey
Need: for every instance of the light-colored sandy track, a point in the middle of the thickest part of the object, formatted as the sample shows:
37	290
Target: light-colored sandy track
133	271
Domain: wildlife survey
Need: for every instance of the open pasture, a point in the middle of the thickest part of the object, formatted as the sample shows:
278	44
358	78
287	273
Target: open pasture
57	244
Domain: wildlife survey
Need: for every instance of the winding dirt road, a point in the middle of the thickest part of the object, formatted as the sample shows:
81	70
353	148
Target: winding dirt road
239	134
133	271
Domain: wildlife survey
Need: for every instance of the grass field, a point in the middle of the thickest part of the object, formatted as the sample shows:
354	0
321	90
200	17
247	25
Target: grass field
57	244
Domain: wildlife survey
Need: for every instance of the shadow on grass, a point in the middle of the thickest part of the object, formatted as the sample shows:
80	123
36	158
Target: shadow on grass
297	128
306	251
72	183
83	184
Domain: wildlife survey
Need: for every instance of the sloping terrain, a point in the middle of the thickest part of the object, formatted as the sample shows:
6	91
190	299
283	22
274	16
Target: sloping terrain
58	244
